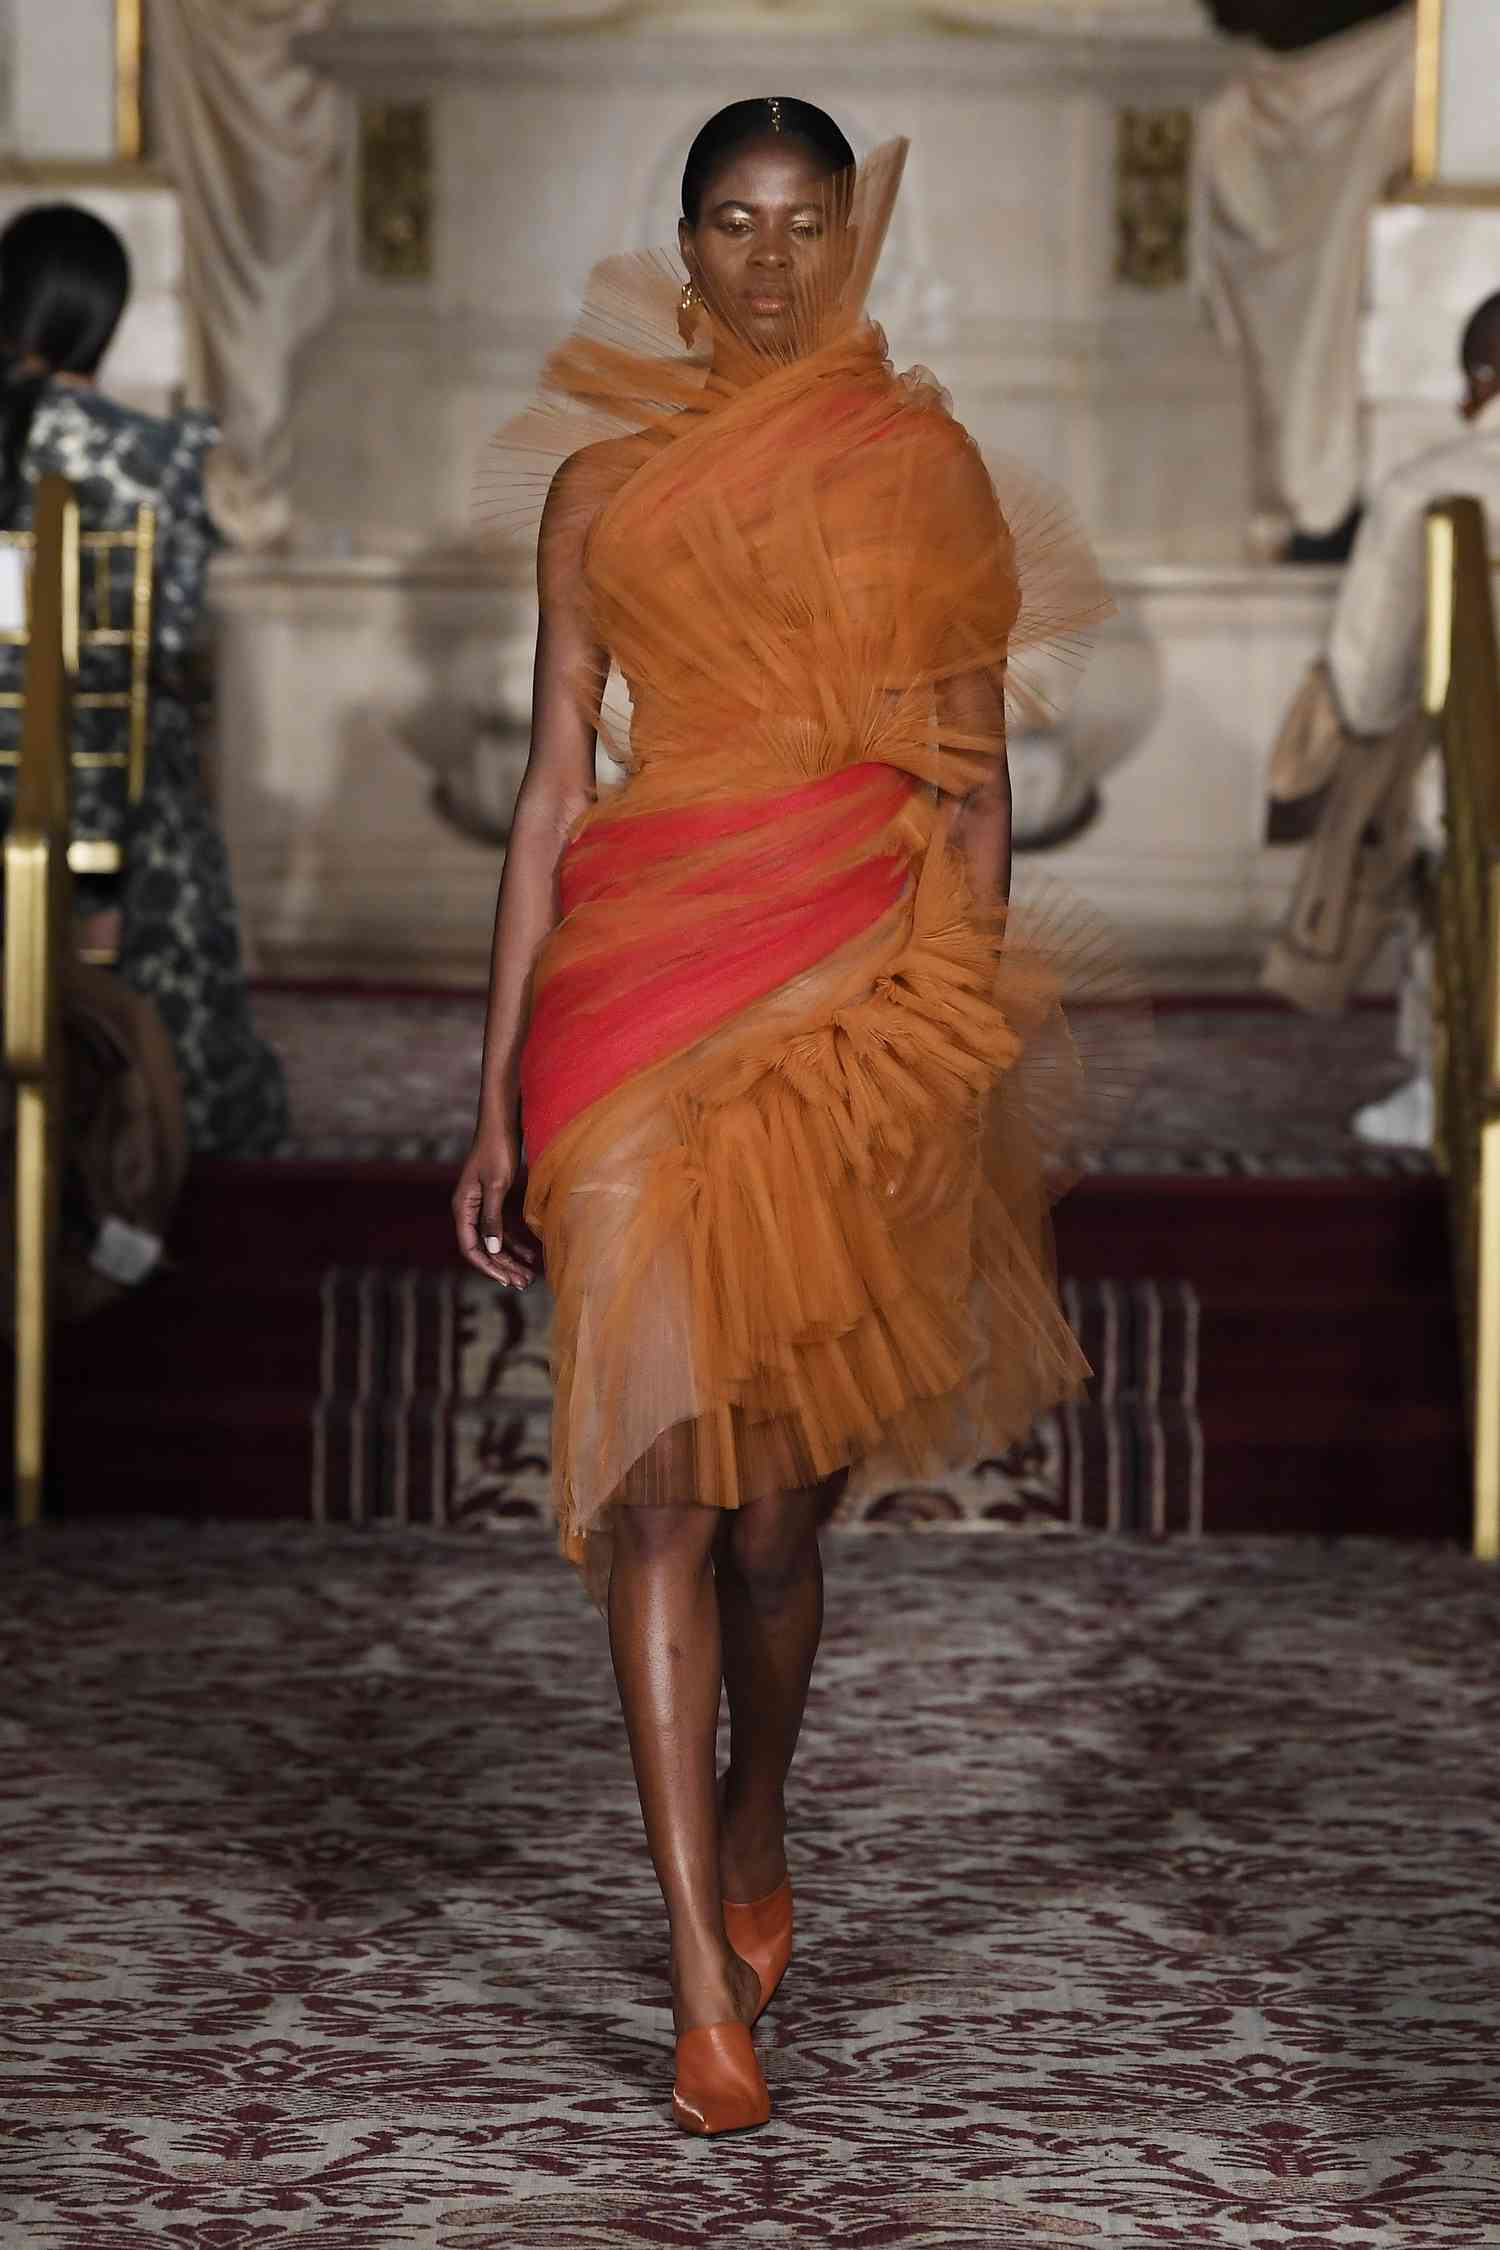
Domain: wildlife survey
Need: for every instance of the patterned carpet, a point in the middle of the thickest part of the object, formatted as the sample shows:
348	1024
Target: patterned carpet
1232	1088
1147	1900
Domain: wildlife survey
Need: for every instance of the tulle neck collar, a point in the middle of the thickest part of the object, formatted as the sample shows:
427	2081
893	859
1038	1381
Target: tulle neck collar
734	366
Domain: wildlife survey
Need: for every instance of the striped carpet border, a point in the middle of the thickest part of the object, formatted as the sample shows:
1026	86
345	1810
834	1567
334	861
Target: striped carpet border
434	1408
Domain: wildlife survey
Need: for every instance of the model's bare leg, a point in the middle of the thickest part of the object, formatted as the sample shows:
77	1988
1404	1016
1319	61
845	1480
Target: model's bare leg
770	1588
664	1638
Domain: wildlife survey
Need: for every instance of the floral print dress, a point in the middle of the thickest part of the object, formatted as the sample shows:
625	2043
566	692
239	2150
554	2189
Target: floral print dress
180	942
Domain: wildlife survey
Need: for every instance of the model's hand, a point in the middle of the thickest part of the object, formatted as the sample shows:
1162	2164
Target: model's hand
495	1240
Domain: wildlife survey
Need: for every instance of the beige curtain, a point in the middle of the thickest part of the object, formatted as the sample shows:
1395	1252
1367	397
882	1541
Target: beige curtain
250	136
1294	155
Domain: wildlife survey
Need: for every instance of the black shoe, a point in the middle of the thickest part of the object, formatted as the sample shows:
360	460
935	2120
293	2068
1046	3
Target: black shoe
1324	546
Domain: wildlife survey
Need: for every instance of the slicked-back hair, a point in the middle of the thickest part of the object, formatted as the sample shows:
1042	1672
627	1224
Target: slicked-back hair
741	122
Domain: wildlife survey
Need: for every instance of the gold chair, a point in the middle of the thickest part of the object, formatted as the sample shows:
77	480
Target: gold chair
38	936
1462	697
114	594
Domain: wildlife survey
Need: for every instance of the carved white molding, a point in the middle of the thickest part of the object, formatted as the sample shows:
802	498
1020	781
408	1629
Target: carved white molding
1167	354
1051	18
275	586
1170	54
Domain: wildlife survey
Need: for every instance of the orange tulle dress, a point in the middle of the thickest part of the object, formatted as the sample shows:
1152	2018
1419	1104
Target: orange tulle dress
794	1100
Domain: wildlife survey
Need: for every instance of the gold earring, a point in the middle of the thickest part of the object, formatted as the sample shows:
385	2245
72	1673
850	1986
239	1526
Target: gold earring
687	311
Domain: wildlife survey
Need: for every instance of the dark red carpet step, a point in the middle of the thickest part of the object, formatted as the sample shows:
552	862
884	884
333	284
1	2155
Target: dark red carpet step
393	1394
1231	1236
1284	1361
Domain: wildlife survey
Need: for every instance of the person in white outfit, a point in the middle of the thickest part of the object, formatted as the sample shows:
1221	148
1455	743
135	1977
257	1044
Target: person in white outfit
1293	157
1375	665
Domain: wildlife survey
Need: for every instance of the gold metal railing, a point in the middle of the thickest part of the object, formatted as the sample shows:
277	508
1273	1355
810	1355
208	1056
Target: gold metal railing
100	628
38	913
1462	695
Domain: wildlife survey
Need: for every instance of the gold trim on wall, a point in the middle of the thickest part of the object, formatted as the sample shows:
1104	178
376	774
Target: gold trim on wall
129	133
1450	195
81	172
395	189
1427	110
1153	159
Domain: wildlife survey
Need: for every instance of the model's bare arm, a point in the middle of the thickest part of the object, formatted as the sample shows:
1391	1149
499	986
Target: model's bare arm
971	695
971	717
973	706
557	787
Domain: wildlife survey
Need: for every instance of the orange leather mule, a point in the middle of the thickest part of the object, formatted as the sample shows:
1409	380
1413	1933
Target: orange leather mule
760	1930
719	2085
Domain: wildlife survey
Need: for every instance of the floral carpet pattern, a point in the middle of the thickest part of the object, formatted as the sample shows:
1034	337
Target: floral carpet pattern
1146	1895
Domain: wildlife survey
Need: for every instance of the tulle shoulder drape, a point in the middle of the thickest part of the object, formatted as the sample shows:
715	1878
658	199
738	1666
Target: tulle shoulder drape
623	386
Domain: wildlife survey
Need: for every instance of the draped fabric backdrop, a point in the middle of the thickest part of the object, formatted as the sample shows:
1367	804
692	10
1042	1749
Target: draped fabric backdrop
251	138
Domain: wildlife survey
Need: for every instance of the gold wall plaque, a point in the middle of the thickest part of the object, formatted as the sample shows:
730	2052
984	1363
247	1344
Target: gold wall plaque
395	190
1153	157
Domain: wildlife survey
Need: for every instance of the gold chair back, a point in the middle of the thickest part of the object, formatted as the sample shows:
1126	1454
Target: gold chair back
1462	696
38	936
115	595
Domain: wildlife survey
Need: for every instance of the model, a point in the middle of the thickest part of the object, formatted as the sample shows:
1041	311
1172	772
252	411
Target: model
786	1077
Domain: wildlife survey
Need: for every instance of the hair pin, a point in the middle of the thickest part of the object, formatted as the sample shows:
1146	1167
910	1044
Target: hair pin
773	103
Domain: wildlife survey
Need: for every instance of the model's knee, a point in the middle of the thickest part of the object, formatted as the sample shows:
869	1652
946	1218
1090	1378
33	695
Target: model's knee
665	1537
769	1564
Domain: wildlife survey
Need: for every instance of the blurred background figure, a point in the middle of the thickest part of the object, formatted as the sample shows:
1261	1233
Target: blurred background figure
1295	154
170	916
1374	790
